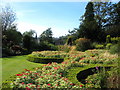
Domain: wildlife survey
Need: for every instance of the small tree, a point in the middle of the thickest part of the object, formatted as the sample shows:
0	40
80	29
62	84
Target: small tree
83	44
46	36
108	39
30	40
69	40
7	18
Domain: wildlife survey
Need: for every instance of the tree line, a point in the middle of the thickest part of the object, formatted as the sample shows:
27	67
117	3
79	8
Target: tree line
99	20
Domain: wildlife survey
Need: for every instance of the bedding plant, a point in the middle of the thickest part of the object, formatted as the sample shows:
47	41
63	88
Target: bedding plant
54	75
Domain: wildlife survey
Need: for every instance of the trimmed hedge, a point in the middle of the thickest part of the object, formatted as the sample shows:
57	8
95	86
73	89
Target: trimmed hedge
44	60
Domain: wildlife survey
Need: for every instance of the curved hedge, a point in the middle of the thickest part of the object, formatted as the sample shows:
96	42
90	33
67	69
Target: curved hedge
44	60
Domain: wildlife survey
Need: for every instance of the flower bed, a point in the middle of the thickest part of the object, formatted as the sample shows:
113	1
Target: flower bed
53	75
50	76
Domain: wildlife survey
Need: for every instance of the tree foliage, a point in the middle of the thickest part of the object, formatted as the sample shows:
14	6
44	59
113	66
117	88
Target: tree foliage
89	27
30	40
7	17
46	36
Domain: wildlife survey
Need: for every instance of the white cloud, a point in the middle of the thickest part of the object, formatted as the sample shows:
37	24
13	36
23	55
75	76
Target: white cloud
24	12
24	26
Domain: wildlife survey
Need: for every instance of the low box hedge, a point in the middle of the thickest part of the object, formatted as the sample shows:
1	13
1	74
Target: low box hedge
44	60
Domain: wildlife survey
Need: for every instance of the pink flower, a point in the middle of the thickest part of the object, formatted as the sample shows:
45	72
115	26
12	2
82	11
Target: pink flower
82	58
96	68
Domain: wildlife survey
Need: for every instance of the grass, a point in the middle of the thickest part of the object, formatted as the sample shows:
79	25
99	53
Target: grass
72	73
16	64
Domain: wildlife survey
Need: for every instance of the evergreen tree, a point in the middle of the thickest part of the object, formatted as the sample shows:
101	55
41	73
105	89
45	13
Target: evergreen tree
89	28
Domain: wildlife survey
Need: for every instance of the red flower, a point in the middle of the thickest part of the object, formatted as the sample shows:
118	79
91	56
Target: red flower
24	77
81	85
26	73
72	84
41	76
60	73
48	84
38	86
55	68
27	88
57	85
36	73
22	83
19	74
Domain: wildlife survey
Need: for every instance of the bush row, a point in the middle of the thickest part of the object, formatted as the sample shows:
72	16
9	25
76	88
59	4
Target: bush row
44	60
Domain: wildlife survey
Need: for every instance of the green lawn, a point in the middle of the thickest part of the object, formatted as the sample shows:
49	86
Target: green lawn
16	64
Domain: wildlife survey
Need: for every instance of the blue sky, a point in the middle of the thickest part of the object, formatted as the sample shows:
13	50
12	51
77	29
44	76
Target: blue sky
60	16
39	15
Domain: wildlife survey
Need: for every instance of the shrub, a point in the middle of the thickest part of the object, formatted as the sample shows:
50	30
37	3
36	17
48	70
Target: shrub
108	39
47	46
115	49
69	40
65	48
45	60
108	45
115	39
99	46
83	44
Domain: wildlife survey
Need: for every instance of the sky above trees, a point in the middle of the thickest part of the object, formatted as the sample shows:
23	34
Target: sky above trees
39	16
